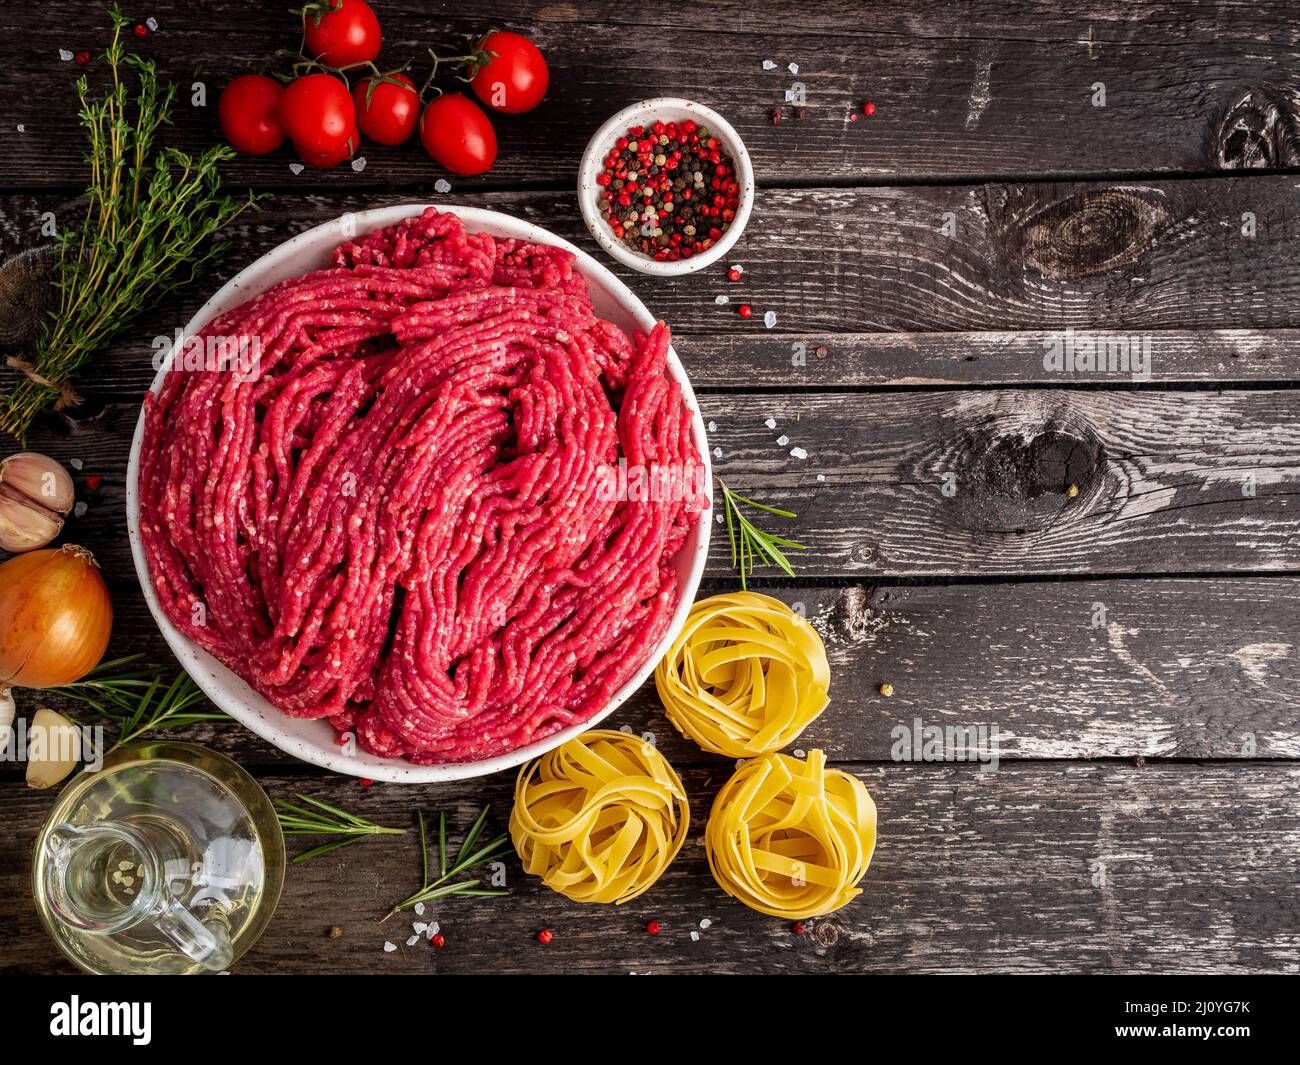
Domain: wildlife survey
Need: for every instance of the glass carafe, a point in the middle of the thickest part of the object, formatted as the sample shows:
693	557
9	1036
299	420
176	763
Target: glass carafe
169	859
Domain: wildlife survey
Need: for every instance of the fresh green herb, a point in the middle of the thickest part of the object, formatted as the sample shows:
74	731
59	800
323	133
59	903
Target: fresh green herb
150	214
469	855
326	820
750	545
139	701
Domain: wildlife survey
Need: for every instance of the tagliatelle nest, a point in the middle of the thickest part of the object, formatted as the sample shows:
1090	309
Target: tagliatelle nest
600	818
791	838
746	675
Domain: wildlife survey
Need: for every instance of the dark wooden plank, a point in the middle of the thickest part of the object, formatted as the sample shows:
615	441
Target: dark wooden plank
1087	669
1034	868
1007	90
948	483
1138	262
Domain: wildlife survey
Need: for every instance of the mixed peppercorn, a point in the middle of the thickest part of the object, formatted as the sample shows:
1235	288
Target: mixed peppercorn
668	190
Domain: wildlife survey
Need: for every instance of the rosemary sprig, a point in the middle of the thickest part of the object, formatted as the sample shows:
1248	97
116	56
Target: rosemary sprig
750	545
150	214
469	855
326	820
139	701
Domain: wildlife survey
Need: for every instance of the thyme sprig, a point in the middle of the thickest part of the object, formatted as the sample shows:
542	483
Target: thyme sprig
469	855
750	545
138	701
151	212
326	820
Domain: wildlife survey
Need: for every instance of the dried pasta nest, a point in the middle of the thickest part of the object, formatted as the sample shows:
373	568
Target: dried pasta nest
600	818
791	838
746	675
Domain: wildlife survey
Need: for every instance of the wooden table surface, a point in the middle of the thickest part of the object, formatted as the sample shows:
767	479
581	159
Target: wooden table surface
1134	644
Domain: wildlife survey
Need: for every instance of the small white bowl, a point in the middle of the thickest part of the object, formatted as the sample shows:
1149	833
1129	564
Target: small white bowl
314	740
665	109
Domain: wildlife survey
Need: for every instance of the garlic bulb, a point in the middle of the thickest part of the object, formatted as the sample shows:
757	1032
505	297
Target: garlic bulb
36	494
8	711
53	748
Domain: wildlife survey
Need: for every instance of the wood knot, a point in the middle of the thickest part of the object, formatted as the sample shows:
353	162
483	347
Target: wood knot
1093	232
1259	129
1015	468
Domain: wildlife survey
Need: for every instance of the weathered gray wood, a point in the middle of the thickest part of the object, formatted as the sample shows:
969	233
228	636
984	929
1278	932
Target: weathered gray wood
1135	261
1034	868
952	483
1007	89
1079	669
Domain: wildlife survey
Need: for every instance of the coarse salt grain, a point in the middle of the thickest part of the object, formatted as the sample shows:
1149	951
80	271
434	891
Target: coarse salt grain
798	453
442	185
768	64
359	163
76	464
389	947
713	427
152	23
717	452
695	936
769	319
705	923
420	926
411	941
821	477
782	440
65	55
770	423
793	68
419	909
433	929
296	168
720	300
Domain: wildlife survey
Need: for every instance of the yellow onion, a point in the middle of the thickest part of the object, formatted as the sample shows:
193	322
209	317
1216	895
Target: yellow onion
55	617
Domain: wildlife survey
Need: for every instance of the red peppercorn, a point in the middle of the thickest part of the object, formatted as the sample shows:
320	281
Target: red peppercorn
652	929
140	30
799	928
776	116
94	481
689	125
744	310
868	109
439	941
366	782
853	116
733	274
545	936
83	57
603	178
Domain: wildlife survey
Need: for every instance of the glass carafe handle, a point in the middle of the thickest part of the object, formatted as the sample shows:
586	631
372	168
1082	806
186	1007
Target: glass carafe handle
208	944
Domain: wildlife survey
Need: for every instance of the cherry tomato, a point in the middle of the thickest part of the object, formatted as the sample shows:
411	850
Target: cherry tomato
391	112
341	33
331	158
249	116
516	79
316	112
457	135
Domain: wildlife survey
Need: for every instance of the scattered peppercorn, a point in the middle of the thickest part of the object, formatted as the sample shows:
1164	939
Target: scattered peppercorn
822	351
668	191
366	782
868	109
886	689
439	941
83	57
94	481
140	30
777	117
744	310
853	116
545	936
799	928
733	274
653	928
1072	491
336	932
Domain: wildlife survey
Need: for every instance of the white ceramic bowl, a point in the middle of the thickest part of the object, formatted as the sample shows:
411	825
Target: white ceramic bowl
667	109
314	741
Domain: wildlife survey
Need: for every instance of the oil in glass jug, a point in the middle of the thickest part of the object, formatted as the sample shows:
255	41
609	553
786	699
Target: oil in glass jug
170	859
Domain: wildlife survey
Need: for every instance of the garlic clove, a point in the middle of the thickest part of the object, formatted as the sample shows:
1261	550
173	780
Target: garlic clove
24	527
40	479
8	711
53	748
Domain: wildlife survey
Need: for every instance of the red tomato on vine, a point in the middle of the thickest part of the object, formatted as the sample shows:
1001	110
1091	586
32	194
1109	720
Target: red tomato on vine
508	73
341	33
388	108
457	135
249	114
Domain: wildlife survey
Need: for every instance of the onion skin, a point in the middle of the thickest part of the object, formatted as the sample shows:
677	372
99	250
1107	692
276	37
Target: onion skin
55	617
